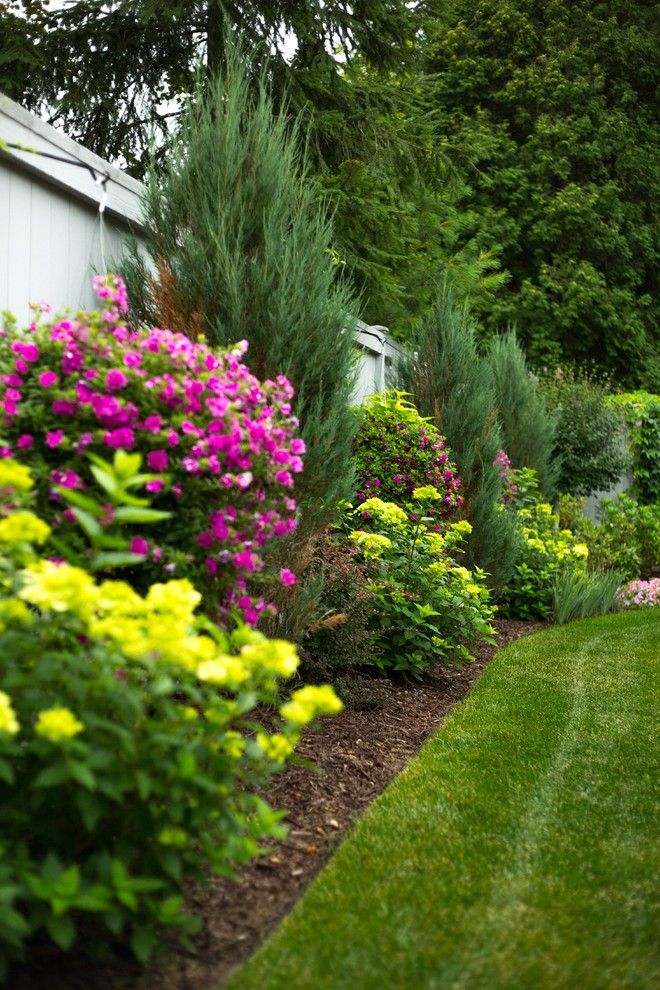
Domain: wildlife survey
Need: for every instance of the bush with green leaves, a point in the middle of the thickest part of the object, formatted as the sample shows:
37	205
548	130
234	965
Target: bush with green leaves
547	552
625	539
131	760
430	610
642	414
590	441
397	450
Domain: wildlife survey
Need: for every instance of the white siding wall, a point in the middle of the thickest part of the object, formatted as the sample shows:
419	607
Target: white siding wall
52	237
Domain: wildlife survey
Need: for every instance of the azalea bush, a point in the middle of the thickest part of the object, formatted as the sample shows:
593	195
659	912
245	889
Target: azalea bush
397	450
130	753
546	552
430	609
638	593
220	445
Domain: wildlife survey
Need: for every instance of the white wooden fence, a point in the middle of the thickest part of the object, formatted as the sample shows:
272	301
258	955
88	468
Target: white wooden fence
54	237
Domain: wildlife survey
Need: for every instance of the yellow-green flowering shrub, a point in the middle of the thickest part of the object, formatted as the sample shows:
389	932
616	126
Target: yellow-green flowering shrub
430	609
130	754
546	552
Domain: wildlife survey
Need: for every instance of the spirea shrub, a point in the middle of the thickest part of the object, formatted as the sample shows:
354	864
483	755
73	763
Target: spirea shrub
638	593
221	445
130	758
430	609
546	552
397	451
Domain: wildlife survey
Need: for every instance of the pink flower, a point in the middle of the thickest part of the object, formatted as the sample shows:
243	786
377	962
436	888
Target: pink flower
132	359
157	460
298	446
287	577
120	438
140	546
116	380
62	407
154	486
54	438
24	441
48	378
284	478
153	424
172	438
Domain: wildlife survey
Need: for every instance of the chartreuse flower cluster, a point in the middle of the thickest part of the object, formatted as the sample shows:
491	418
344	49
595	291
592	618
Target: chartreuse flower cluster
430	608
546	551
131	761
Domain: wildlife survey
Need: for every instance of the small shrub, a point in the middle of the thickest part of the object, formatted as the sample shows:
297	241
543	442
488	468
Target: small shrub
626	539
638	593
590	437
130	759
430	609
578	596
340	635
546	553
397	451
221	445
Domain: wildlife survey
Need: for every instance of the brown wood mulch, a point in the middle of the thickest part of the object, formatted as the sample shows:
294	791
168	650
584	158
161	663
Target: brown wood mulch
355	755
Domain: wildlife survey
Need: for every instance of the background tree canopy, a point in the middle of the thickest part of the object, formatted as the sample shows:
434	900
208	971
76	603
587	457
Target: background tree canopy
556	106
451	136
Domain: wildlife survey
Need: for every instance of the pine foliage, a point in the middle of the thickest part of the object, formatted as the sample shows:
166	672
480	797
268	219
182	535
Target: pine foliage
239	241
451	383
528	428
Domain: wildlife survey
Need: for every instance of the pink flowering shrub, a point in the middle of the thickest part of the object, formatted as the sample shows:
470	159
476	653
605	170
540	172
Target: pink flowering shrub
220	446
639	593
396	451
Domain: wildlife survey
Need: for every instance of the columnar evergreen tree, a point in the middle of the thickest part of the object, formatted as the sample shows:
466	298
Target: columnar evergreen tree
239	240
528	428
451	383
557	103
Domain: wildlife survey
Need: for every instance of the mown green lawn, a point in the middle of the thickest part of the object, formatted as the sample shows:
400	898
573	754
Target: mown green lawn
518	850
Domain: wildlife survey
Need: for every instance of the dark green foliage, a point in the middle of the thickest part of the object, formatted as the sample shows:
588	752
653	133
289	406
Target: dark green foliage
590	438
556	106
528	429
452	384
579	596
625	539
240	242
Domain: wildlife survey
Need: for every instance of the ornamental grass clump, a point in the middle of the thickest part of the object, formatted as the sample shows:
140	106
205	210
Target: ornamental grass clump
220	445
397	450
131	759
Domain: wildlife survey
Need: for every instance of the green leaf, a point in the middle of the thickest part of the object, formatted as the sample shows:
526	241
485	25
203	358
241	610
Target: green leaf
6	772
133	514
115	559
143	942
62	931
52	776
82	773
105	480
88	522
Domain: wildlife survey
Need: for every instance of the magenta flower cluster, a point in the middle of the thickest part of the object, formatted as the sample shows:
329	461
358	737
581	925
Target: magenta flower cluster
639	593
221	443
509	487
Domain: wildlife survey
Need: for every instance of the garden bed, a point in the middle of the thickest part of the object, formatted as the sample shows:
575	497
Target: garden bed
356	754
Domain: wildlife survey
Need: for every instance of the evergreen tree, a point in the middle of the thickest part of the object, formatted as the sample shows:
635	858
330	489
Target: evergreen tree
453	385
528	428
239	245
557	105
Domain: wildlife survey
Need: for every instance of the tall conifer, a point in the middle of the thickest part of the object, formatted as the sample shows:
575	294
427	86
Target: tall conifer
239	244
